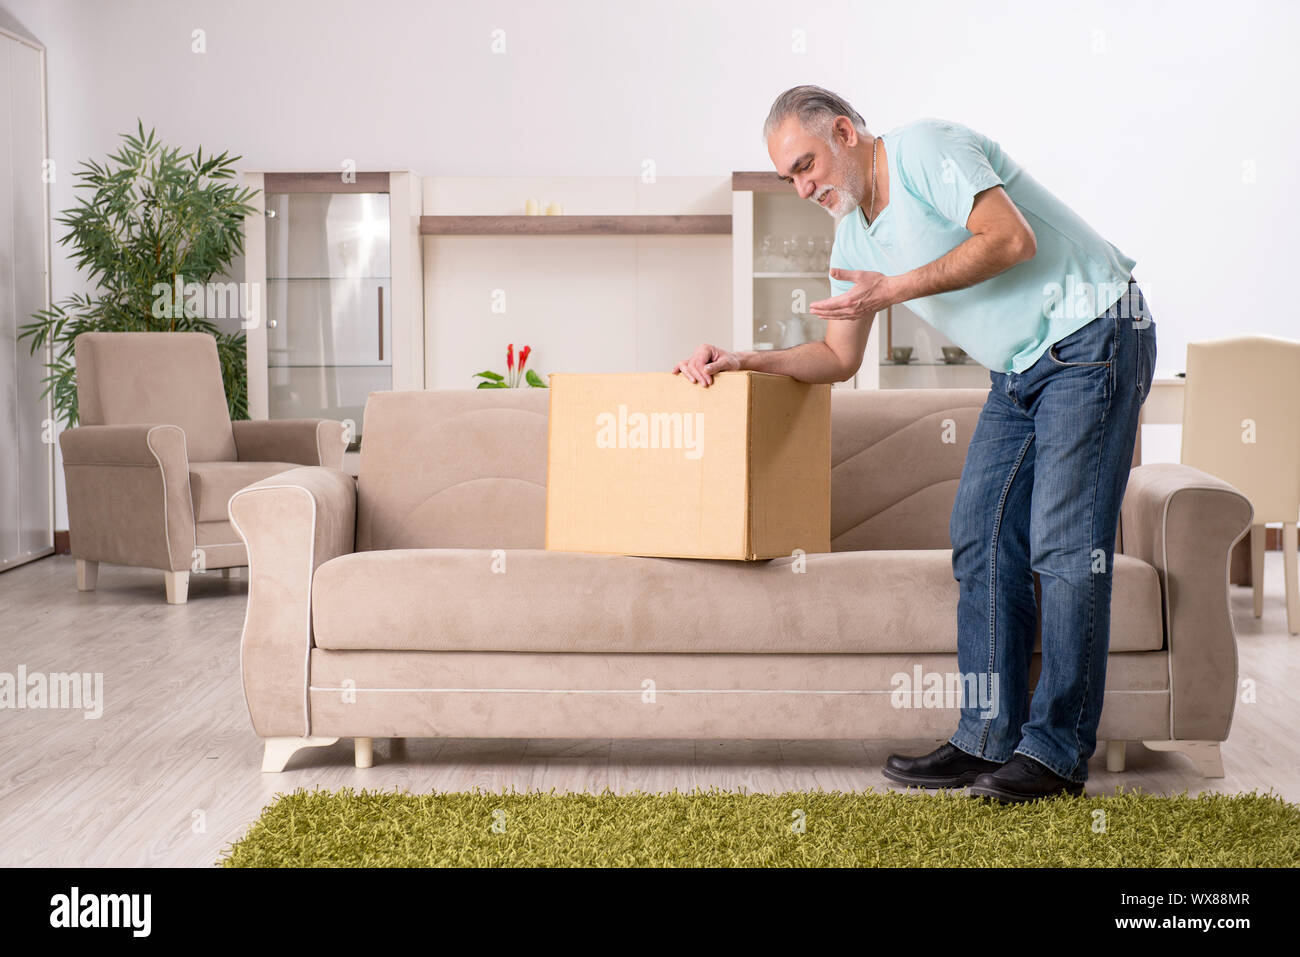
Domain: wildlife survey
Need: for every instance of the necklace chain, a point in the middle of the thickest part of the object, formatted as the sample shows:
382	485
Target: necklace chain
872	213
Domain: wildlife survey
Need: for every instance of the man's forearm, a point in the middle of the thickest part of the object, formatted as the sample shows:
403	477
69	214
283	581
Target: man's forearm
972	261
810	362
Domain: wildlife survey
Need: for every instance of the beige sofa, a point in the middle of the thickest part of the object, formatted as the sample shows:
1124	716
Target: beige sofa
418	600
156	457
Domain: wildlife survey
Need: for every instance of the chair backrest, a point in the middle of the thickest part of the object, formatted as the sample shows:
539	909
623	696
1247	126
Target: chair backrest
1241	419
466	468
172	378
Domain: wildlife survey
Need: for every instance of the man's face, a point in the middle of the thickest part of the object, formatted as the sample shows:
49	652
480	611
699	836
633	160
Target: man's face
823	172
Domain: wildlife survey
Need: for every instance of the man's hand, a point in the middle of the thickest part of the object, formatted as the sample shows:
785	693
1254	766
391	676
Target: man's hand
705	362
872	292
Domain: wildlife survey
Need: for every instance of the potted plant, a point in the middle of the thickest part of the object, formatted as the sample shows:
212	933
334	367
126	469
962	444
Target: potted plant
513	376
153	218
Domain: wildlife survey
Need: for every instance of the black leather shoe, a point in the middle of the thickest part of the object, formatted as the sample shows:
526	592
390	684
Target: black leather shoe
948	766
1023	779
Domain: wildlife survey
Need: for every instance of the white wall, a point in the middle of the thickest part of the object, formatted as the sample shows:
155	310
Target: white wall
1143	115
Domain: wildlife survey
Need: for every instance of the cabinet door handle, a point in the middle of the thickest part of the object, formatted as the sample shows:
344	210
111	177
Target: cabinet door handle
381	323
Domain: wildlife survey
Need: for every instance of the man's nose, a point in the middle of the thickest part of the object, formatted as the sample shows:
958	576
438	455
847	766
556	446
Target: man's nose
806	189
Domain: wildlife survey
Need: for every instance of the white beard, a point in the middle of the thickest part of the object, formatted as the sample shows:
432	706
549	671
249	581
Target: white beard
841	203
844	198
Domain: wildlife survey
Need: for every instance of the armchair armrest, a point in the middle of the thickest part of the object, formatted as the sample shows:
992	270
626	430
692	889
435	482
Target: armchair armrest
129	495
1185	523
291	523
301	441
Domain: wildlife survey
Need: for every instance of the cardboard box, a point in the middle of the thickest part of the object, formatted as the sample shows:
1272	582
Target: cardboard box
653	464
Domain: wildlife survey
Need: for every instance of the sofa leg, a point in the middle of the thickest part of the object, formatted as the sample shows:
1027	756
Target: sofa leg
87	575
227	573
178	587
278	751
365	748
1204	754
1115	756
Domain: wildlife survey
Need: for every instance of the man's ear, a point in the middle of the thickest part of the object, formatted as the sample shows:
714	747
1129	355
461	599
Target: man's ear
846	128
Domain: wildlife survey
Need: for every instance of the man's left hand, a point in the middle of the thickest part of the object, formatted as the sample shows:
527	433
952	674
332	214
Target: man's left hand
871	292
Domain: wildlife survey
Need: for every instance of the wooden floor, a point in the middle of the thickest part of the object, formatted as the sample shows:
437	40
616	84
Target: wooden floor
170	773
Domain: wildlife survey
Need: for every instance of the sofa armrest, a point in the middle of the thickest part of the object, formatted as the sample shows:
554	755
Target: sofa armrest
291	523
1185	523
129	495
301	441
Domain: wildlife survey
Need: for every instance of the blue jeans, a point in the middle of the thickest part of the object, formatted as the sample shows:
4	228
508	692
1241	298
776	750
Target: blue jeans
1040	492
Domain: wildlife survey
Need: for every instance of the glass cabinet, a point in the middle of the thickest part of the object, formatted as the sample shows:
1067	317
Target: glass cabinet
337	268
328	276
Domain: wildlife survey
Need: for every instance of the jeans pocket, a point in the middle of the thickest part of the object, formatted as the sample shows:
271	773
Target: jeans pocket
1092	345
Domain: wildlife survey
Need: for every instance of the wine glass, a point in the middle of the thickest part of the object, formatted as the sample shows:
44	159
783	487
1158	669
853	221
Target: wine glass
810	254
797	252
789	250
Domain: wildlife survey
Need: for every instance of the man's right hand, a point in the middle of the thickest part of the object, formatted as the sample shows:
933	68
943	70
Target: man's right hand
707	361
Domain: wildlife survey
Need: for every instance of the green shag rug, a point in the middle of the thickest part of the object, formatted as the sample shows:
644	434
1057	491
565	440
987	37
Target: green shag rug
794	829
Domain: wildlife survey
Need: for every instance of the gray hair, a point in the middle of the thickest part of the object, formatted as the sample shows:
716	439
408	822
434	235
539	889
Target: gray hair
816	108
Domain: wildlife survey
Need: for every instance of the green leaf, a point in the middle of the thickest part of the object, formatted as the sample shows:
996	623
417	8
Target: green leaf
493	385
489	375
145	213
534	379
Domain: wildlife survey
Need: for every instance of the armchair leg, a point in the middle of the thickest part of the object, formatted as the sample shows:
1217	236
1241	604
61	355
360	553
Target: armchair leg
365	752
1204	754
278	751
87	575
1257	567
178	586
1115	756
1292	586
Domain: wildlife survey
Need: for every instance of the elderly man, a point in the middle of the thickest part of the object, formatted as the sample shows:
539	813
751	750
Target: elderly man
936	215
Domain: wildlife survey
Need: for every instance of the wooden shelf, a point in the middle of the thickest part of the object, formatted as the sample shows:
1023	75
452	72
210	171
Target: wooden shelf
760	182
325	183
575	225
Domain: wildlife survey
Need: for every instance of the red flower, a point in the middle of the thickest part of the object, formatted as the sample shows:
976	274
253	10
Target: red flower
510	357
523	356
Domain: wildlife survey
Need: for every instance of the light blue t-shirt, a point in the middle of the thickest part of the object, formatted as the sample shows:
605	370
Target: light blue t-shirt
1006	322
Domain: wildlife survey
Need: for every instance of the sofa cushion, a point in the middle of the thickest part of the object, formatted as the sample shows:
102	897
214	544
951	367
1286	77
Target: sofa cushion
453	468
212	484
463	599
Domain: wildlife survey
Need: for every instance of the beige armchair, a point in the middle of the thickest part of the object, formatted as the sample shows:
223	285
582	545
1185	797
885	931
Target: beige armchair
156	458
1241	422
